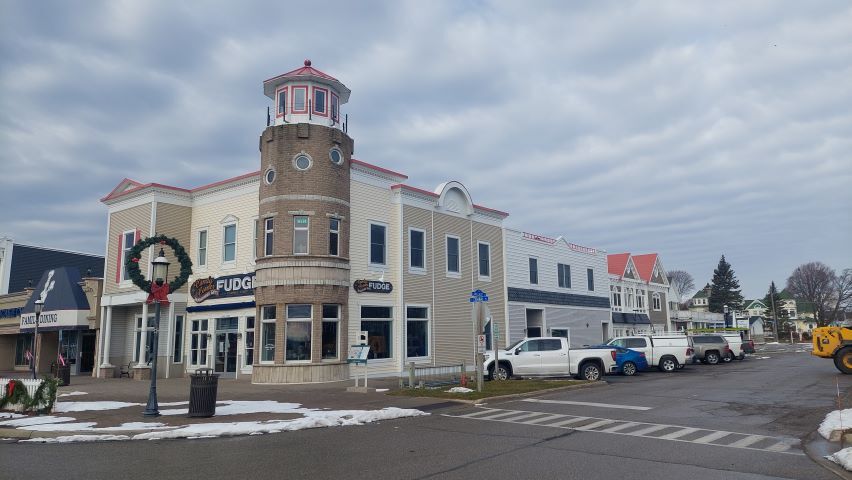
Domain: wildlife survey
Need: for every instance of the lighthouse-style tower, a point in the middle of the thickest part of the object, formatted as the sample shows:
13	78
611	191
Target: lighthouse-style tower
302	271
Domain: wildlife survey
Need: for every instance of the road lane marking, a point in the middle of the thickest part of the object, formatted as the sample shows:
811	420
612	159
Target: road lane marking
480	412
749	440
587	404
713	436
525	417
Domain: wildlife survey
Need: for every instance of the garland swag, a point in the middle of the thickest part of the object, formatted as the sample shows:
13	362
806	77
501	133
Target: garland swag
135	273
16	393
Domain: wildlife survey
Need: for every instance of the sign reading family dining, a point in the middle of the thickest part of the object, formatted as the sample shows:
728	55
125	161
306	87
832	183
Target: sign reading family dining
222	287
370	286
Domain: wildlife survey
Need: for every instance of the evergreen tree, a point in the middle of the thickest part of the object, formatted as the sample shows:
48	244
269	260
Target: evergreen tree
725	289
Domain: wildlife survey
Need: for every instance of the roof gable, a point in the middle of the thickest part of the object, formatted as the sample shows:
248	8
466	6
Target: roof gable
645	265
616	263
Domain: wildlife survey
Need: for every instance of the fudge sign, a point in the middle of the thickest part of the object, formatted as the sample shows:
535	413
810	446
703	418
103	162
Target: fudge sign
222	287
370	286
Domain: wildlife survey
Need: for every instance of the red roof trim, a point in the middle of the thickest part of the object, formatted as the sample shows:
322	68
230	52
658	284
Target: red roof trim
377	168
120	184
303	71
402	186
499	212
112	195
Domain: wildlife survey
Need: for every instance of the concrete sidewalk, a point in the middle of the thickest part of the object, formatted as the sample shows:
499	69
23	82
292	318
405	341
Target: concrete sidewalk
326	396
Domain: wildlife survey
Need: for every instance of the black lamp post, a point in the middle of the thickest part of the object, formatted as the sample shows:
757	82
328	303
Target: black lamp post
161	273
39	305
725	309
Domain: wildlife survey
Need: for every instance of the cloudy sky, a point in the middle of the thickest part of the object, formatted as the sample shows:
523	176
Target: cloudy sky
692	130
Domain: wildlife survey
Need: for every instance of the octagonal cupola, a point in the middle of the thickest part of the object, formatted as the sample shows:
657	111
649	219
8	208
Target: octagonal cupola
306	95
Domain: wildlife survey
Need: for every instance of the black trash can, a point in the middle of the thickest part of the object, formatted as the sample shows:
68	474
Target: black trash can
203	385
64	375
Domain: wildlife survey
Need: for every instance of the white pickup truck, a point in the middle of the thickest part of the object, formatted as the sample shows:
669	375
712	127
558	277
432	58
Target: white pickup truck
549	357
666	352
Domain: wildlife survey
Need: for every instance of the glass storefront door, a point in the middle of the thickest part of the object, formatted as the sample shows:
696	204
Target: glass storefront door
226	346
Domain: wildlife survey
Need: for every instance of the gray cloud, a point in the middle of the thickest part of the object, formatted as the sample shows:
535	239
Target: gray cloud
630	126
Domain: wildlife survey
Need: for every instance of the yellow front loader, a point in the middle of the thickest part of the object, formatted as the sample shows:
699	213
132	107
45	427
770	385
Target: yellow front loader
836	343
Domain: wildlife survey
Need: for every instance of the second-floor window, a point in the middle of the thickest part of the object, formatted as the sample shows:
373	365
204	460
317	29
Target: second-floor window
320	95
416	249
533	271
378	244
229	243
128	240
202	248
563	274
484	259
590	278
267	236
616	296
453	260
334	237
657	303
300	234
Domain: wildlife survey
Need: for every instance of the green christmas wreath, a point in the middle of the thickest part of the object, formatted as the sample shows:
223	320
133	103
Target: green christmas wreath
135	273
16	393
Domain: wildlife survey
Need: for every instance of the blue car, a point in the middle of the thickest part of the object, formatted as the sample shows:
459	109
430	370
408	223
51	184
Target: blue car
628	362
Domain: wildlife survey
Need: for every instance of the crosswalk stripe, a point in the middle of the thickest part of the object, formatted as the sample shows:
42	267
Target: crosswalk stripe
779	447
506	413
526	415
678	434
645	431
587	404
709	438
568	422
597	424
620	427
543	419
478	413
750	440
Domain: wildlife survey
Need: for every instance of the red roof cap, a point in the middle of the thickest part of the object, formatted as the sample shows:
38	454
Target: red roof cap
616	263
645	265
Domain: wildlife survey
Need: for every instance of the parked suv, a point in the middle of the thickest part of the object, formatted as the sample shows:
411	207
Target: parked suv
710	348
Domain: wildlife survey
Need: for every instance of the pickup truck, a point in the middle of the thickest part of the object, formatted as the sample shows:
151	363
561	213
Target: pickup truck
666	352
549	357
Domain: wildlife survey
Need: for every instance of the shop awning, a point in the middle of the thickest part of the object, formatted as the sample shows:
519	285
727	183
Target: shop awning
65	304
630	318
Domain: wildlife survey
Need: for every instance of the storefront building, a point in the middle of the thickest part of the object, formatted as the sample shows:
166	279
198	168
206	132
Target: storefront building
639	294
556	288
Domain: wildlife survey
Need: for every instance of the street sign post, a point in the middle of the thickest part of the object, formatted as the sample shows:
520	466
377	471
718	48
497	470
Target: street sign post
477	298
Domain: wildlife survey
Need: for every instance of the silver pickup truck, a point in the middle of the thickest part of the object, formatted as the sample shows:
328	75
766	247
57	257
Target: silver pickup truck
549	357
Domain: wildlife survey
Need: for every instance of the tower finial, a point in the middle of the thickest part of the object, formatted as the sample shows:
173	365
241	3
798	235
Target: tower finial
307	62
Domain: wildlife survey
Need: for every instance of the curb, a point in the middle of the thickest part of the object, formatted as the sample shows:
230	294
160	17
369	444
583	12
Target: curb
479	401
817	447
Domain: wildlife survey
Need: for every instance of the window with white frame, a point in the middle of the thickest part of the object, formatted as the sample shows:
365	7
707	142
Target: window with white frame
177	346
143	354
267	334
267	236
128	239
484	255
301	225
377	321
453	255
416	331
640	299
320	95
229	243
533	270
378	244
298	331
330	331
249	343
563	274
416	250
202	248
590	279
282	102
629	303
616	296
198	342
300	100
335	107
334	237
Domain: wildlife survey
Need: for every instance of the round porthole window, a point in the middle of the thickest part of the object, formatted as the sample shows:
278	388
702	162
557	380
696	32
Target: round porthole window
336	156
269	176
302	161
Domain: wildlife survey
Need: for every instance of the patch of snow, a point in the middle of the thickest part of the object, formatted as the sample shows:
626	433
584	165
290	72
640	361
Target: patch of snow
238	407
61	407
27	421
771	343
842	458
172	404
382	389
90	427
314	419
71	394
835	423
459	390
77	438
763	358
11	415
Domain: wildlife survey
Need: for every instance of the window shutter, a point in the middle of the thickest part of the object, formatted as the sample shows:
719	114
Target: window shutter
118	260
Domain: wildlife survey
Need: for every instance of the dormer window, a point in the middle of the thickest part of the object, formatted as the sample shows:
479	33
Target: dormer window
320	98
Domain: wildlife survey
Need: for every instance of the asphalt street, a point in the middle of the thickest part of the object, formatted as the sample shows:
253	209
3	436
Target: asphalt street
743	420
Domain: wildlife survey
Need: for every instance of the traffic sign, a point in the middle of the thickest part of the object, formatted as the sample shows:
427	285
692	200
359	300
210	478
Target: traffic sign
480	343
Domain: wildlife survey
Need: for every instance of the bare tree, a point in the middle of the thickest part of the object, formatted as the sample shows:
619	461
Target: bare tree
681	282
842	296
814	282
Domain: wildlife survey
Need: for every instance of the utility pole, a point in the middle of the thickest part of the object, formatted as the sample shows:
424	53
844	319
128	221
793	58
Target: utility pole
774	316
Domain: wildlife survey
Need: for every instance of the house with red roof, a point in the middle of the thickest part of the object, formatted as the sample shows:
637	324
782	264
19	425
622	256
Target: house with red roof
639	294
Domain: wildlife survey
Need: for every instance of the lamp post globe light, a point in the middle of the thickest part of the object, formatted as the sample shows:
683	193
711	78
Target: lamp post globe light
39	306
161	274
725	309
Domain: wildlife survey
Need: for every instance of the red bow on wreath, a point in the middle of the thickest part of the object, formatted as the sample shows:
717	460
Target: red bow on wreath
158	293
10	387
